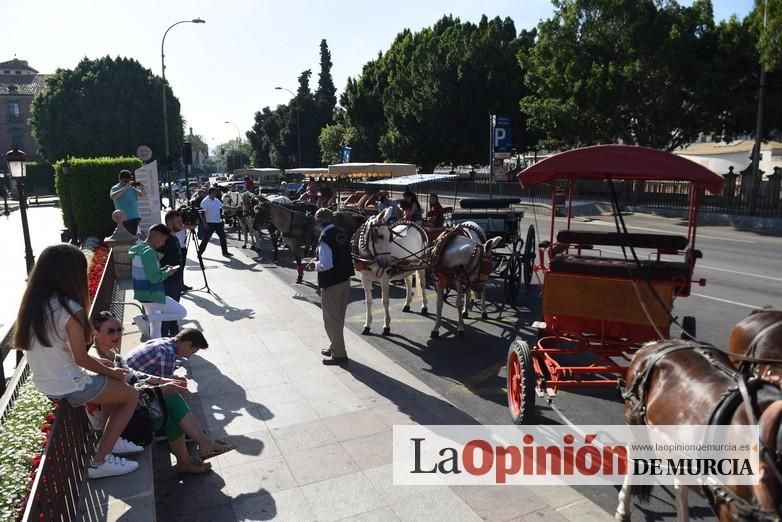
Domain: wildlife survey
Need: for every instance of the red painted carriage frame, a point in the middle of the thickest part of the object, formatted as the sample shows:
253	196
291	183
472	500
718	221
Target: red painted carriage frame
599	308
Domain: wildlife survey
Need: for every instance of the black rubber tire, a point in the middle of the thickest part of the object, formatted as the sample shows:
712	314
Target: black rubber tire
688	328
529	255
522	407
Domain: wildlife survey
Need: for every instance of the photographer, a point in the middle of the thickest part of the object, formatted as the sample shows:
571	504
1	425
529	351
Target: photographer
125	196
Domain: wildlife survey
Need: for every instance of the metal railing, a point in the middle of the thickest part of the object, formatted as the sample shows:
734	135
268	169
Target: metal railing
57	486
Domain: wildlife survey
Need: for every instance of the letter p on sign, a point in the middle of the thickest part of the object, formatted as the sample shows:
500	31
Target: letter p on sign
499	136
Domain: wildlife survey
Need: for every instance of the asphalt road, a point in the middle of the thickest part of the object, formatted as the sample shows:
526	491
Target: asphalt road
741	272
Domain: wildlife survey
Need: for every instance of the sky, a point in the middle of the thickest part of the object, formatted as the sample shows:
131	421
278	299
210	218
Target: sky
227	69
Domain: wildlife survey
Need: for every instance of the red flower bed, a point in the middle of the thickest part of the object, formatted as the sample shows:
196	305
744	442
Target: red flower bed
95	272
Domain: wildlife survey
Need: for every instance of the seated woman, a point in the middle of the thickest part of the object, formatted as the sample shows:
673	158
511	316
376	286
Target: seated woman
413	211
53	329
180	421
436	216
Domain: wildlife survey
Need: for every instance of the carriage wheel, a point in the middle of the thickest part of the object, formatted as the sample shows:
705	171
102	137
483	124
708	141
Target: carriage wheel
512	274
688	328
521	382
529	255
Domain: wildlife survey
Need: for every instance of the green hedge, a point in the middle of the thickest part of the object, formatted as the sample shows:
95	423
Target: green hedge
40	179
85	190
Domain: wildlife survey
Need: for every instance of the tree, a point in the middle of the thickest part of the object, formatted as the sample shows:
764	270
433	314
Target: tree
326	95
104	107
332	138
427	99
639	71
766	20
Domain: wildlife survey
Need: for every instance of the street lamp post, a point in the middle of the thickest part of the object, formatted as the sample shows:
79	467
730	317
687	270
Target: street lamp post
298	127
72	229
16	166
239	140
172	200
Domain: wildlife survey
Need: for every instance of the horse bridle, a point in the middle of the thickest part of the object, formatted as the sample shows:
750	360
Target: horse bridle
748	360
369	233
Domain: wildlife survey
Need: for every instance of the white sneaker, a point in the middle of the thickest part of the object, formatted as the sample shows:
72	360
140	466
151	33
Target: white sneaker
142	324
111	467
125	447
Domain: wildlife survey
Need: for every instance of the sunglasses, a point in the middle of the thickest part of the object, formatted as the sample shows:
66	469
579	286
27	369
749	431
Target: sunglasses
112	331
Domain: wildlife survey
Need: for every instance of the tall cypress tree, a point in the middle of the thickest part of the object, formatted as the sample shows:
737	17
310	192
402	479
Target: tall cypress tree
326	95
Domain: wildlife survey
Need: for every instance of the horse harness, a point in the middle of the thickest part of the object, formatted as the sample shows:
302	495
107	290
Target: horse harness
474	276
744	390
749	362
363	240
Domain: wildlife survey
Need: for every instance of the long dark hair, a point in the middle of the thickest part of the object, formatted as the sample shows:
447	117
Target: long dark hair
61	271
409	194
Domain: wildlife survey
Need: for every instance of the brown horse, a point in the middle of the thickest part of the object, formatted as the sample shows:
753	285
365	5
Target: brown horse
757	340
686	383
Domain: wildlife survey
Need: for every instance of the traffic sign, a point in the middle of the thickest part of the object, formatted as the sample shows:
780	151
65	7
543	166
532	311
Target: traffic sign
144	153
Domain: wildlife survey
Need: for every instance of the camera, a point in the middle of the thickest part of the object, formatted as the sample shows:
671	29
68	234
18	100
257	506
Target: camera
135	183
190	215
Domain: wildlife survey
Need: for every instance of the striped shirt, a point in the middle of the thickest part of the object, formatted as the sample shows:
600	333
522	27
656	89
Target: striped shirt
147	275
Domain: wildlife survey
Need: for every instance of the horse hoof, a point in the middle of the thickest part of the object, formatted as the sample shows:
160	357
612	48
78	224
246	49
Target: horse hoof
387	330
406	308
434	335
424	311
365	331
460	334
484	316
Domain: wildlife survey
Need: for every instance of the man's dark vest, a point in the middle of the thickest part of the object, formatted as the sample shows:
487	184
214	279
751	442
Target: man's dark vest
339	242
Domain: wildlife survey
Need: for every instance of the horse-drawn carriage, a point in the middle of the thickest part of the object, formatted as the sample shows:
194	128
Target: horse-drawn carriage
514	257
597	311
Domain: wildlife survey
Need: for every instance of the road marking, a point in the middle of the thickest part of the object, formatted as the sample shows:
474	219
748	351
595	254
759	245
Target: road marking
613	225
745	305
709	267
482	375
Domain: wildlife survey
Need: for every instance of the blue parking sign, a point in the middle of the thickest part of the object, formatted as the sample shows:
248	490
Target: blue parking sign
501	133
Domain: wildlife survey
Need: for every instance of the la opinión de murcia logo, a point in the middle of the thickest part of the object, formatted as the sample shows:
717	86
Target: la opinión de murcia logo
449	455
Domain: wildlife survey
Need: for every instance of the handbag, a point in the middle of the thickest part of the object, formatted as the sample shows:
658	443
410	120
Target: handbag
151	410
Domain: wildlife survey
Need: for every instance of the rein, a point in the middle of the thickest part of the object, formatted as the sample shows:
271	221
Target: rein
366	243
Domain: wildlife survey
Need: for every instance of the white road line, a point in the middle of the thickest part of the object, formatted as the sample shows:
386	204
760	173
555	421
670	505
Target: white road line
612	225
708	267
736	303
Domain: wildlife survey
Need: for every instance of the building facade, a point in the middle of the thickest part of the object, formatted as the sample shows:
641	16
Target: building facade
19	83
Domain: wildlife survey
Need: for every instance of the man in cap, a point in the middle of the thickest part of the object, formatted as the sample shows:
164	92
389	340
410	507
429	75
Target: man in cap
334	265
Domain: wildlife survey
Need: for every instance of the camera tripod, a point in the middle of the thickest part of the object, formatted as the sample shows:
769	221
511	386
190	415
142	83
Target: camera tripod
192	238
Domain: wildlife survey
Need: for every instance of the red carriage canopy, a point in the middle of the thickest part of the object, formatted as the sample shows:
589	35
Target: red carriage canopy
626	162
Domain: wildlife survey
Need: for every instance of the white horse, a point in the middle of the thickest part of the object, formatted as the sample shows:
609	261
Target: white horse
248	202
462	261
386	253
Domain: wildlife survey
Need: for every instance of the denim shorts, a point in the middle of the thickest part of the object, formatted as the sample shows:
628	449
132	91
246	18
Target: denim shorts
91	390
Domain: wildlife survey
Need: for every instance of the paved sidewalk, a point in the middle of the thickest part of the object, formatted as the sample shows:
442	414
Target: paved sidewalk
314	442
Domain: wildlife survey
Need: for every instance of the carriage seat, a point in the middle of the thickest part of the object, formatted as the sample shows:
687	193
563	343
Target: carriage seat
662	242
608	267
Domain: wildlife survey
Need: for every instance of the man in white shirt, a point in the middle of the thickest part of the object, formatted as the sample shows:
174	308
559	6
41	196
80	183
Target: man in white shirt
213	222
